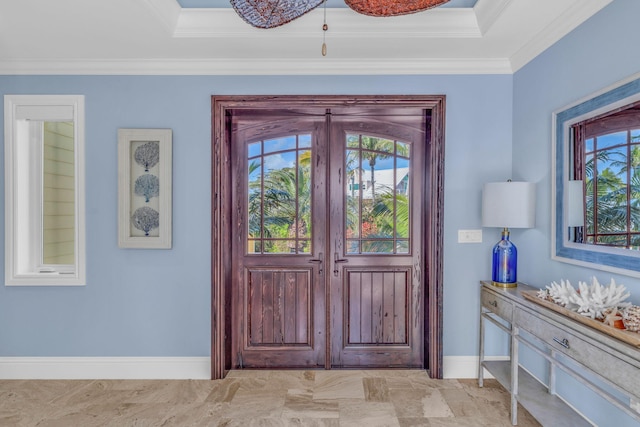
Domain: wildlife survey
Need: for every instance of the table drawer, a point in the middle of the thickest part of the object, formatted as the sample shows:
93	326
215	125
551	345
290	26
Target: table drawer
577	347
496	304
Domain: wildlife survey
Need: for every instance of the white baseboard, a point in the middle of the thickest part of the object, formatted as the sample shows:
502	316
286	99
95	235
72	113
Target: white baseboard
465	366
72	368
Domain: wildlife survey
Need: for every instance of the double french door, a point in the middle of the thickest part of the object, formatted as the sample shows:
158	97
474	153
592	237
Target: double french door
327	238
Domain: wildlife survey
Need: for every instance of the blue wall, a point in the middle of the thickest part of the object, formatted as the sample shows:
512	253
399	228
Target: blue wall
599	53
157	302
596	55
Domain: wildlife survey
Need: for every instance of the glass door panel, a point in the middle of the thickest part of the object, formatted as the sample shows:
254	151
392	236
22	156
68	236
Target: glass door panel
377	195
279	195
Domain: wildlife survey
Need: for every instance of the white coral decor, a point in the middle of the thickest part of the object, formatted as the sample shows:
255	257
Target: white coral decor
562	293
594	301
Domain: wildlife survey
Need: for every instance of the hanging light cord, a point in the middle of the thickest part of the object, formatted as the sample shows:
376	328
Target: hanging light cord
325	27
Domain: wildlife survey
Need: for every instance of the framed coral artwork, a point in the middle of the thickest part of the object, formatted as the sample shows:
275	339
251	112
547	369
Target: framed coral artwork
144	188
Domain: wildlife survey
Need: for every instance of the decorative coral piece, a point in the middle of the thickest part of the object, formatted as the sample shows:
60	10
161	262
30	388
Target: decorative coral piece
562	293
594	301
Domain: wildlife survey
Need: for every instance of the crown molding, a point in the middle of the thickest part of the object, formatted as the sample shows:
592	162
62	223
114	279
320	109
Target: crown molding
493	37
273	66
167	11
571	18
343	22
488	11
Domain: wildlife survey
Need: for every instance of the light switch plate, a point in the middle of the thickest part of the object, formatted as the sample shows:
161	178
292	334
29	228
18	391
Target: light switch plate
469	236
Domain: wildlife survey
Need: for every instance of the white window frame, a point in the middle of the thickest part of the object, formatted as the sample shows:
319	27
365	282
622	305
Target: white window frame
23	201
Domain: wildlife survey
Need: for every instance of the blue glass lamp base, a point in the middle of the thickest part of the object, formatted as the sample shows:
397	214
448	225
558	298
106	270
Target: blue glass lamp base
505	262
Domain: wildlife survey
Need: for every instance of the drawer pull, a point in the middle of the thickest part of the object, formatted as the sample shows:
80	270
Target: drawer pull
494	304
563	342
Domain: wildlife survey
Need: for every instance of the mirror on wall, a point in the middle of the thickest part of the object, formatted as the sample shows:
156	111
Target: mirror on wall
596	153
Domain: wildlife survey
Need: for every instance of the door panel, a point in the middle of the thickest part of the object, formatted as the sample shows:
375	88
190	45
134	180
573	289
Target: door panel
376	236
376	306
278	297
278	304
327	240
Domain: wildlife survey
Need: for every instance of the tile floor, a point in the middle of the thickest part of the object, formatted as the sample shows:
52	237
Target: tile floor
261	398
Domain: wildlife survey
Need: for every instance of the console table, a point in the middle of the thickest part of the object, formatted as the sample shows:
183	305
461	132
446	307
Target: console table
605	364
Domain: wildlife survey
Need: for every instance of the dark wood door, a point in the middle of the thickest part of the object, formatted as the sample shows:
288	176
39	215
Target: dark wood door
376	279
278	192
326	240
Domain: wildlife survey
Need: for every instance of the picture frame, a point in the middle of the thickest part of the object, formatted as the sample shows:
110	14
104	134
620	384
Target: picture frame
144	188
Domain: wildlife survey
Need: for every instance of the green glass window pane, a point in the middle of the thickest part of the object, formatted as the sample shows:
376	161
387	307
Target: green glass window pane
353	246
353	140
304	194
352	216
254	198
254	247
635	242
612	240
377	192
279	195
403	149
402	246
377	246
304	247
635	215
279	246
402	216
378	144
353	191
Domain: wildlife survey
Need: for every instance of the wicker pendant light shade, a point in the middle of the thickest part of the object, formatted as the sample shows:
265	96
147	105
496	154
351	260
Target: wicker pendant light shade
392	7
272	13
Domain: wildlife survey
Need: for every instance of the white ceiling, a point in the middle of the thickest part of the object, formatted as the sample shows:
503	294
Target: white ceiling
161	37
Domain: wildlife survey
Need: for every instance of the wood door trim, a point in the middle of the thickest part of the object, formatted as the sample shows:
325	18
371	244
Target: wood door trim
222	107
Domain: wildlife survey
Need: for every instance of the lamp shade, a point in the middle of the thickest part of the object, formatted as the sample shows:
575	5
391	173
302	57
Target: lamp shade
509	204
574	203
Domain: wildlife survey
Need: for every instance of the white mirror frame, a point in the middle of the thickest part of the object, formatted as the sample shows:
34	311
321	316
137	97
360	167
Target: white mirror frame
616	260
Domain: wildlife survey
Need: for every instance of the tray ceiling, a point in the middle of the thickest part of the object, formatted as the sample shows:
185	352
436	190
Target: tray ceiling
161	37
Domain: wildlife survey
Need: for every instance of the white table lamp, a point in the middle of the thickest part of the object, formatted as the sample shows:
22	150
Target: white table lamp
507	205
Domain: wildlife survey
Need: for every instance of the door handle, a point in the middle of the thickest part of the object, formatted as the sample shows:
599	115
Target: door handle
317	261
337	260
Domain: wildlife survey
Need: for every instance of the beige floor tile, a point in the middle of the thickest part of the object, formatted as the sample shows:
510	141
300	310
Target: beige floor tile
414	422
375	389
359	413
408	402
300	404
338	385
435	406
262	398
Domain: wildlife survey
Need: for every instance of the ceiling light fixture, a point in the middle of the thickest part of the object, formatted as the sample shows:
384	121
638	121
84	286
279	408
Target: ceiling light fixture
273	13
391	7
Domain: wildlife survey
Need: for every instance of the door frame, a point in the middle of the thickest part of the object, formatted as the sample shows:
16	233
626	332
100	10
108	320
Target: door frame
221	108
